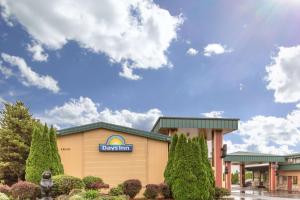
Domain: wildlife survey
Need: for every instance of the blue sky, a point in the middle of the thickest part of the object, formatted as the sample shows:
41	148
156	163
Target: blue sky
130	62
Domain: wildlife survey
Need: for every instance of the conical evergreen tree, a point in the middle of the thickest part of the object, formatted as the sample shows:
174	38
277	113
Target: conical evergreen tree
208	168
183	182
199	170
169	167
39	158
56	165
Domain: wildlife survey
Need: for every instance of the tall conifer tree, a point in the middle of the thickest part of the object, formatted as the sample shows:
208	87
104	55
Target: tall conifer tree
208	168
169	167
183	181
16	129
56	165
199	170
39	159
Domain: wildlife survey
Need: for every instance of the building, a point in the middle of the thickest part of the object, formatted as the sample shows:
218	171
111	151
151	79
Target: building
275	172
116	153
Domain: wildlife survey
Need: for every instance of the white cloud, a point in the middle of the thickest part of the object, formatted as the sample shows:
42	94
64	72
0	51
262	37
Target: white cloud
138	32
5	71
128	73
213	114
269	134
215	49
232	147
29	77
283	75
241	86
83	111
37	52
192	52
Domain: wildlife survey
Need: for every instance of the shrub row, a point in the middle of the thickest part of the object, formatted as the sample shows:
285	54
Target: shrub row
20	190
152	191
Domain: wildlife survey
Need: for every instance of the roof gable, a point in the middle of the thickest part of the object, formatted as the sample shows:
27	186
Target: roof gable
113	127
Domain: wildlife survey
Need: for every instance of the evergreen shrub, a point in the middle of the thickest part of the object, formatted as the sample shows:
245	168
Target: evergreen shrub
91	194
63	184
116	191
90	180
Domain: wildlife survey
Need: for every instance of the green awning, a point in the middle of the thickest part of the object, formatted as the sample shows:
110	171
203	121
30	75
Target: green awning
289	167
252	157
226	124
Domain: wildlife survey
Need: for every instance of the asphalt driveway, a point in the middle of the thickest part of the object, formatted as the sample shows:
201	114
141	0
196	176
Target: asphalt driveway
260	194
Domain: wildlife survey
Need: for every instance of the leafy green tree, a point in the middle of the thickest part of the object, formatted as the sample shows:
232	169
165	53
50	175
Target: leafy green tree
169	168
39	159
183	182
248	175
208	168
235	177
56	165
16	129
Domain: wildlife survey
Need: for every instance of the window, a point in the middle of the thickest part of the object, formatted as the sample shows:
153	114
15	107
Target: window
295	180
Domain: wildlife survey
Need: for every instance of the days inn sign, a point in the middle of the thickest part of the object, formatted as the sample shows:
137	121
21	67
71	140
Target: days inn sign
115	143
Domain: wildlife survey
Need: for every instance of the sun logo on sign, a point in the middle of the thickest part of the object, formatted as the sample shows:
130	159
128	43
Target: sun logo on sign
115	140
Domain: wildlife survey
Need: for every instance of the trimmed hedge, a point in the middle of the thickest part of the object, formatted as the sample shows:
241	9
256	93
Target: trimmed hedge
5	189
3	196
90	180
132	187
63	184
151	191
25	190
116	191
165	190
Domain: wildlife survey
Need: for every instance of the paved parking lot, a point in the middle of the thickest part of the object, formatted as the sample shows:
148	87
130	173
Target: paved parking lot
261	194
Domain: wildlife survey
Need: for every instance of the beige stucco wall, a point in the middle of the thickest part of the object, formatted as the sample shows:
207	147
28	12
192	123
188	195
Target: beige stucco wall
71	154
146	162
282	180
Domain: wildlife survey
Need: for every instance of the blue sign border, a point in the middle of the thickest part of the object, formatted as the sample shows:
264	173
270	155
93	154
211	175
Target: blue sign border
115	148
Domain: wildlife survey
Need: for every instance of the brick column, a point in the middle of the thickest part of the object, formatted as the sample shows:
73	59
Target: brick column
242	175
228	176
218	142
272	177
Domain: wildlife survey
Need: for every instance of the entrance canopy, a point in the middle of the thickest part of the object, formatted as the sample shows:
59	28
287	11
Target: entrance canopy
251	157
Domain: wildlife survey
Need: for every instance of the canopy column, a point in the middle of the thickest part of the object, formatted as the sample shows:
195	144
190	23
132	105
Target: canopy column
228	175
218	142
242	175
272	176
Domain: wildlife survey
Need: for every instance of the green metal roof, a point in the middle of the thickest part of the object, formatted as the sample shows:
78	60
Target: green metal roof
289	167
294	155
190	122
113	127
253	157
